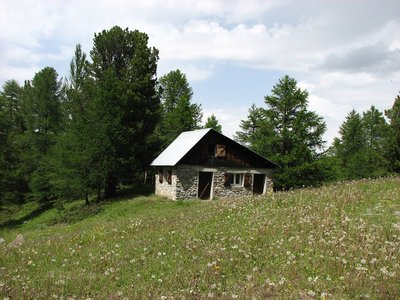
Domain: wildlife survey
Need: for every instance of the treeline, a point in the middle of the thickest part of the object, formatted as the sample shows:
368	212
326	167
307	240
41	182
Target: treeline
291	135
84	135
81	137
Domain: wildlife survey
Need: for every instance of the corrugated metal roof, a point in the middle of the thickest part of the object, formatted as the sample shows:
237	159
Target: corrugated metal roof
179	147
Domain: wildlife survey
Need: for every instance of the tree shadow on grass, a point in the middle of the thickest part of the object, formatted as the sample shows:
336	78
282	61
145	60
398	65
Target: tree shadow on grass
33	214
132	192
123	194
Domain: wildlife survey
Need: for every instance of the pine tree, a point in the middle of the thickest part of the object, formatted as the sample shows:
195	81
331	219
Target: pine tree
375	128
360	148
178	112
124	69
393	137
351	147
213	123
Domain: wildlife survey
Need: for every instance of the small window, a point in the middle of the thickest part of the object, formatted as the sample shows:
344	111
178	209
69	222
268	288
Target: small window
169	179
237	179
160	175
234	179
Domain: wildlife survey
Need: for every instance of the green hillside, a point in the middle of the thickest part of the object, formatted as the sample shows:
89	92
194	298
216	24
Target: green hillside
338	241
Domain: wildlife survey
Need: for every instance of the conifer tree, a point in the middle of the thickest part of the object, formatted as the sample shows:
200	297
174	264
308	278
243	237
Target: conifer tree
251	130
393	137
178	112
127	107
287	133
350	147
77	173
375	129
43	118
13	183
213	123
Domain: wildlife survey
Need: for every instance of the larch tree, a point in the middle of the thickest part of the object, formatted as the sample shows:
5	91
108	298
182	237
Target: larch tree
286	132
77	173
13	183
251	129
43	118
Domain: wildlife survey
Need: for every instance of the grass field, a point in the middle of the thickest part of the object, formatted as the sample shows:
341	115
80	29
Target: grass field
334	242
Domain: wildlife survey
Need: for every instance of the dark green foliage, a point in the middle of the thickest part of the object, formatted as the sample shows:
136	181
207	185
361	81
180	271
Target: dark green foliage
360	147
13	183
251	133
178	112
77	172
75	213
43	119
375	128
287	133
84	137
106	123
213	123
393	137
350	146
126	104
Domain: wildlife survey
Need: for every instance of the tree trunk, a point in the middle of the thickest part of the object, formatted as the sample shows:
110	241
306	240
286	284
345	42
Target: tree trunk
145	176
86	198
111	187
98	193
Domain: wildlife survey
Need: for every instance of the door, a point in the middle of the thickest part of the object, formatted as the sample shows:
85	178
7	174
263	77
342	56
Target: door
258	184
205	183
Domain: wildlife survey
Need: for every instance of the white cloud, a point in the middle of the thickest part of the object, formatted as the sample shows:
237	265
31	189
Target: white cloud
377	58
345	52
229	118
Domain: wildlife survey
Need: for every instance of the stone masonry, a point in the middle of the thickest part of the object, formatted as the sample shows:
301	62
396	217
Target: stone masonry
184	184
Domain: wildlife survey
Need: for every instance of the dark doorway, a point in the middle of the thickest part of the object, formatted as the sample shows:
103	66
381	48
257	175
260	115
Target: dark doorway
205	182
258	184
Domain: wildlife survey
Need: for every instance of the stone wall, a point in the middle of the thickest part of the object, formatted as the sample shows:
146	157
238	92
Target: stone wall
185	181
270	185
163	188
221	191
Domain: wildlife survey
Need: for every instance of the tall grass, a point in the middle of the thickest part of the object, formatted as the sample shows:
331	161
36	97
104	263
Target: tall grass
334	242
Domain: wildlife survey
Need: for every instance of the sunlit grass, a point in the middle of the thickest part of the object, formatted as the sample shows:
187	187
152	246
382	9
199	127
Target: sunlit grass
334	242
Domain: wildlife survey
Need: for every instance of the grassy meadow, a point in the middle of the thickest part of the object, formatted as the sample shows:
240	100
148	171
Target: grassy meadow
334	242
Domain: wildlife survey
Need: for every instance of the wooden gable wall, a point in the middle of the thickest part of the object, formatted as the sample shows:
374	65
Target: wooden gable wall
216	150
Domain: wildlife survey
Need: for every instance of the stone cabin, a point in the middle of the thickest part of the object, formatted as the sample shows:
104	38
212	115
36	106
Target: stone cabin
205	164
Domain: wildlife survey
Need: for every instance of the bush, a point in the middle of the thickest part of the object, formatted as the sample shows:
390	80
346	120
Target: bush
76	213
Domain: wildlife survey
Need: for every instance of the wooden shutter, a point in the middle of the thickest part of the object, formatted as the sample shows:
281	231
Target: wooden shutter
247	180
227	179
220	151
170	177
160	175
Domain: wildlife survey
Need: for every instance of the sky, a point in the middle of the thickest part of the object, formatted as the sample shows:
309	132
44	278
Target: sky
345	53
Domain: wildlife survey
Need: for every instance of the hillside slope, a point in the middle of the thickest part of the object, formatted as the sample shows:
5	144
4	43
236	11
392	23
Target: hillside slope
339	241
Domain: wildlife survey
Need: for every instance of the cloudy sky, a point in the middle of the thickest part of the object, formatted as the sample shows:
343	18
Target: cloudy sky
345	53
